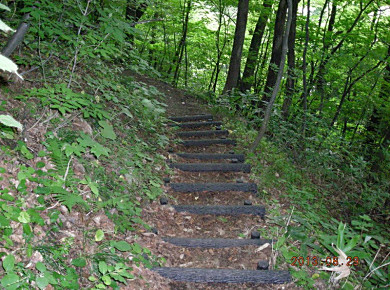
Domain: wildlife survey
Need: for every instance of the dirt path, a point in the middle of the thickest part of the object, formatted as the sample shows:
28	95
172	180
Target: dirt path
207	231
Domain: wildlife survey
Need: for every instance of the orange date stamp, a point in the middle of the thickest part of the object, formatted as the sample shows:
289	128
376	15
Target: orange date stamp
314	261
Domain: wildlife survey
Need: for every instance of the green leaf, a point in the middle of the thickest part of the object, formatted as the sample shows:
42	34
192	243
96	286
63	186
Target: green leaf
9	263
107	280
26	153
107	131
2	170
99	235
94	188
351	244
79	262
10	281
8	65
24	217
40	164
9	120
122	246
340	235
2	6
42	282
137	249
5	27
103	267
40	267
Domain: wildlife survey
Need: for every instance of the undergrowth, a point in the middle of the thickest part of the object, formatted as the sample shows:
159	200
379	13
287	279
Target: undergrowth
319	202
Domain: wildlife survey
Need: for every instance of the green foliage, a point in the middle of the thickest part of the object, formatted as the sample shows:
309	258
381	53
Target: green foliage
65	100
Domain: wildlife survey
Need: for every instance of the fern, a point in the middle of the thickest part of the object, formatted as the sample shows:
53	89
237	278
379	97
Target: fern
58	157
70	199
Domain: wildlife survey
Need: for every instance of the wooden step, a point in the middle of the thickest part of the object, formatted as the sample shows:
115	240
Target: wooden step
215	243
212	156
202	117
208	167
203	133
199	275
196	124
232	210
217	186
208	142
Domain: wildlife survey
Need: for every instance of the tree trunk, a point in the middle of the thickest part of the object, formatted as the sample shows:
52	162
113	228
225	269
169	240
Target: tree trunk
275	91
276	55
253	54
304	67
320	78
239	37
180	50
291	75
135	9
263	56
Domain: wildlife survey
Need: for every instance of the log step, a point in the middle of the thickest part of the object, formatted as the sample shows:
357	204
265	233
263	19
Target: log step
203	117
199	275
196	124
232	210
212	156
208	142
207	167
215	243
220	186
203	133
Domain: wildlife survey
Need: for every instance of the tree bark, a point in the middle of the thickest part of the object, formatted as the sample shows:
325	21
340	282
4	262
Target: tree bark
180	50
275	91
253	54
291	75
17	37
239	37
304	67
276	54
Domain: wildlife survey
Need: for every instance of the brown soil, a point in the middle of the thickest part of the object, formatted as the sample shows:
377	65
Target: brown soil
187	176
215	197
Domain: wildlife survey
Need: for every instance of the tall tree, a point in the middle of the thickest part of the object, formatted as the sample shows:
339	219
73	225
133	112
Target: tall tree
182	43
253	53
276	54
291	75
239	37
278	80
304	67
220	45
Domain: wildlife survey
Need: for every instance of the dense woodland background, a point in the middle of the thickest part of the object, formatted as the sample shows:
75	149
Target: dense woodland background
326	144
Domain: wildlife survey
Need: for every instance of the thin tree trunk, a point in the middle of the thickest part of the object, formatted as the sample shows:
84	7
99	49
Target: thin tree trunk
276	52
264	58
291	75
275	91
304	67
239	37
180	50
253	53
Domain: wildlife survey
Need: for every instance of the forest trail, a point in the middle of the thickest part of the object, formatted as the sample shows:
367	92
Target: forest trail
206	224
